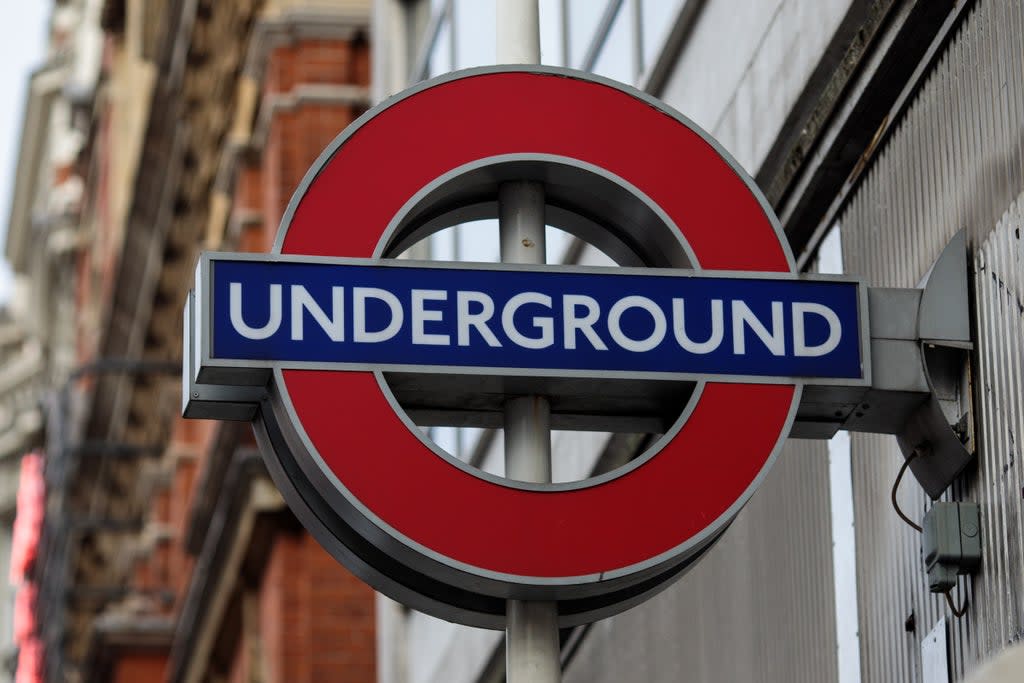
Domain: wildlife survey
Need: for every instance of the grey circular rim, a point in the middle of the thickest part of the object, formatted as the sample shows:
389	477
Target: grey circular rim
671	232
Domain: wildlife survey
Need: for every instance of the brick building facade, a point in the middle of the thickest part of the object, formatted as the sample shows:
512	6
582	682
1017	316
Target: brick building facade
167	552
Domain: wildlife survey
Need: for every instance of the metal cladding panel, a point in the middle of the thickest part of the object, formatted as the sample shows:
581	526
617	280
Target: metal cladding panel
955	161
999	396
758	608
894	605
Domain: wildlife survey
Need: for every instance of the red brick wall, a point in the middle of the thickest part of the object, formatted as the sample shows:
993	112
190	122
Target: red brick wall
297	136
318	62
316	618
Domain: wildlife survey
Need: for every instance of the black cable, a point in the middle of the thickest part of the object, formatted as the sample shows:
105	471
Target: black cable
896	486
958	613
949	601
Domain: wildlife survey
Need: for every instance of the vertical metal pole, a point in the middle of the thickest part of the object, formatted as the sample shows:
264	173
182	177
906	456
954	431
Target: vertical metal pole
518	32
531	643
638	41
531	631
521	222
531	628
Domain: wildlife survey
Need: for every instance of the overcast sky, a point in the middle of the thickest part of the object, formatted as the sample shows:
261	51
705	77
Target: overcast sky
22	46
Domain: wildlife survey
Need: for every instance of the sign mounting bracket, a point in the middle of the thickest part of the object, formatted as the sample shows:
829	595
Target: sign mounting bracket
920	389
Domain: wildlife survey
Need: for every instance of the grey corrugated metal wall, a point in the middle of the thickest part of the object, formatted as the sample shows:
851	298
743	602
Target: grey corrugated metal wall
758	609
956	161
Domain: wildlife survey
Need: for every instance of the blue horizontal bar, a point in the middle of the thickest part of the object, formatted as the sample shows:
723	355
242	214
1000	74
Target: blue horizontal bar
362	314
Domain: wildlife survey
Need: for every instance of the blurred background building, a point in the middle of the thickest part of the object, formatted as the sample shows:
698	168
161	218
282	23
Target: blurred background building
156	128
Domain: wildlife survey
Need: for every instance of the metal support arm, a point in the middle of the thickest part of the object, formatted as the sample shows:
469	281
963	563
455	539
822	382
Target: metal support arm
920	388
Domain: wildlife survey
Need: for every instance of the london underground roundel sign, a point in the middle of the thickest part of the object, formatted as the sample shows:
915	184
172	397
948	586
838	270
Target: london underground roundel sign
706	320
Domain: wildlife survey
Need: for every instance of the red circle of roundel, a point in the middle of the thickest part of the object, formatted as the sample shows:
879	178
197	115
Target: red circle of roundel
714	460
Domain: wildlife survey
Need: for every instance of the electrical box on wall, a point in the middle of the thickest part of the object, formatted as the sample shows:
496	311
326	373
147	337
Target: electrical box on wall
950	543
